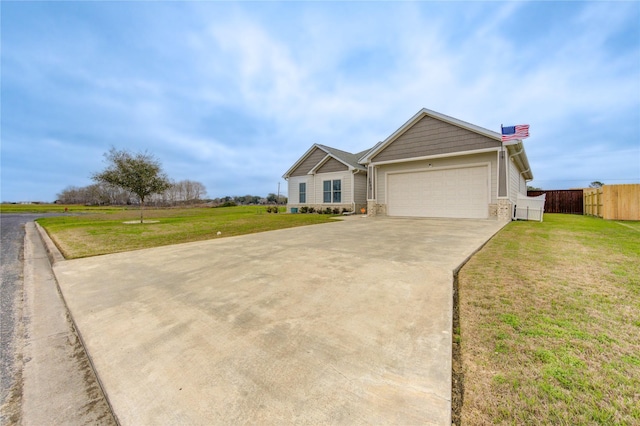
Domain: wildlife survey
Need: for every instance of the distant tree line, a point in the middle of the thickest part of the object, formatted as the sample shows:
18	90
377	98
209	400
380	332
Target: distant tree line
248	200
185	192
178	193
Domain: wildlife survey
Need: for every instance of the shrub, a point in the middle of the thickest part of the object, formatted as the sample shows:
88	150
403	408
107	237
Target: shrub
312	210
328	210
345	210
336	210
303	209
227	204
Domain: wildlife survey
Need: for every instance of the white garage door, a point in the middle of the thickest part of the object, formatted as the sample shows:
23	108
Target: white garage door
457	193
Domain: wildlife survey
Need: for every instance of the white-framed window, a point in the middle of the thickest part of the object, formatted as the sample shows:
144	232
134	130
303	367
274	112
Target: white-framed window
302	192
332	191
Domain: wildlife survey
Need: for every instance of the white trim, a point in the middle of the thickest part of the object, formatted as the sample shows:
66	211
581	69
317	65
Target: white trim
374	182
431	157
300	192
327	158
506	164
331	180
418	116
433	169
300	160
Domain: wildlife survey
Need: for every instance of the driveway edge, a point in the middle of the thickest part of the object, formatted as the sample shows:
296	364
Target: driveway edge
55	256
52	250
457	375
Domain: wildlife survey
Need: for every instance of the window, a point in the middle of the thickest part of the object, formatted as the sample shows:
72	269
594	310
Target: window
303	192
332	191
337	191
326	191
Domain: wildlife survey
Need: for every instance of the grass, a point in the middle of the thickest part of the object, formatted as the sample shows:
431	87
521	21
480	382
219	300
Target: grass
57	208
102	233
550	324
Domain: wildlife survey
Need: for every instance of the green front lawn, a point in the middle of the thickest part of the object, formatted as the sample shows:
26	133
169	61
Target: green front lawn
550	324
102	233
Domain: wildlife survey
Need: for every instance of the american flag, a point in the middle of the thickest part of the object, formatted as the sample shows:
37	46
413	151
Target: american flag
519	131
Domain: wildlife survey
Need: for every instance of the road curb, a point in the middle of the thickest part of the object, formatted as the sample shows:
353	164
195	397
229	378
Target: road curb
52	250
55	256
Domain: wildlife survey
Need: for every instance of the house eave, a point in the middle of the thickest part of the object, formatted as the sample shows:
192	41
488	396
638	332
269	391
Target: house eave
366	159
324	160
517	153
432	157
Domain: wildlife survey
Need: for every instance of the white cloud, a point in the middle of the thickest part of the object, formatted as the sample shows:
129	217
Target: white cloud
249	87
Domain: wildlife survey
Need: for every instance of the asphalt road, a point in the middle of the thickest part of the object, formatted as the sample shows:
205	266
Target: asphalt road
11	307
11	288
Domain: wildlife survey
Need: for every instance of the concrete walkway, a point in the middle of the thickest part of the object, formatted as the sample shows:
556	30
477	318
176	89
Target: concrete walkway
58	384
341	323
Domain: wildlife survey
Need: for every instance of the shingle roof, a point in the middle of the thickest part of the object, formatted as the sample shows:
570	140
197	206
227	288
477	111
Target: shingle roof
347	157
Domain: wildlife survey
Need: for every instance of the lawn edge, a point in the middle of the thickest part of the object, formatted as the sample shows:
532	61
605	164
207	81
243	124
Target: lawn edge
457	373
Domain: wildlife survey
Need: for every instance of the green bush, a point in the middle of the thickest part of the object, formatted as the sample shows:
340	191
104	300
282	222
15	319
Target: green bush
328	210
312	210
303	209
228	204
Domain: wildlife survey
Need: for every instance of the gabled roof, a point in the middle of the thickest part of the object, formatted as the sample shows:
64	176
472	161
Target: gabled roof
417	117
360	160
345	157
348	159
517	149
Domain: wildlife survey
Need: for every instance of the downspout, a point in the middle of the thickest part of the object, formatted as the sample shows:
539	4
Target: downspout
513	213
518	153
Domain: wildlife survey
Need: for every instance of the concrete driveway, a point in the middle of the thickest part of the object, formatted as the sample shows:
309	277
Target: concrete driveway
340	323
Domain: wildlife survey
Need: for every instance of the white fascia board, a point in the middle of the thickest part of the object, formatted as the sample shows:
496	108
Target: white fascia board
520	155
301	159
324	160
366	159
472	127
431	157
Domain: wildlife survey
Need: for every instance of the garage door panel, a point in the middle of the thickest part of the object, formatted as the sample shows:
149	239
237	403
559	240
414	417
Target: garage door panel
456	193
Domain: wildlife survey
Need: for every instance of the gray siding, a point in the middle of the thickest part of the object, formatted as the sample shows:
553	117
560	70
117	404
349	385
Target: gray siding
332	165
309	163
430	136
360	188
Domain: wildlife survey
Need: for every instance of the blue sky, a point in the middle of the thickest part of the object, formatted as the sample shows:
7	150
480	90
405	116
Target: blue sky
232	94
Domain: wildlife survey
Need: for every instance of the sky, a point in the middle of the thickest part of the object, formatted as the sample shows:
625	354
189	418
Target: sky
231	94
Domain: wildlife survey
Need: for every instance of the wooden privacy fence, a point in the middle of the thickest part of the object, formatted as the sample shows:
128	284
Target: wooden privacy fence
561	200
614	202
593	202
